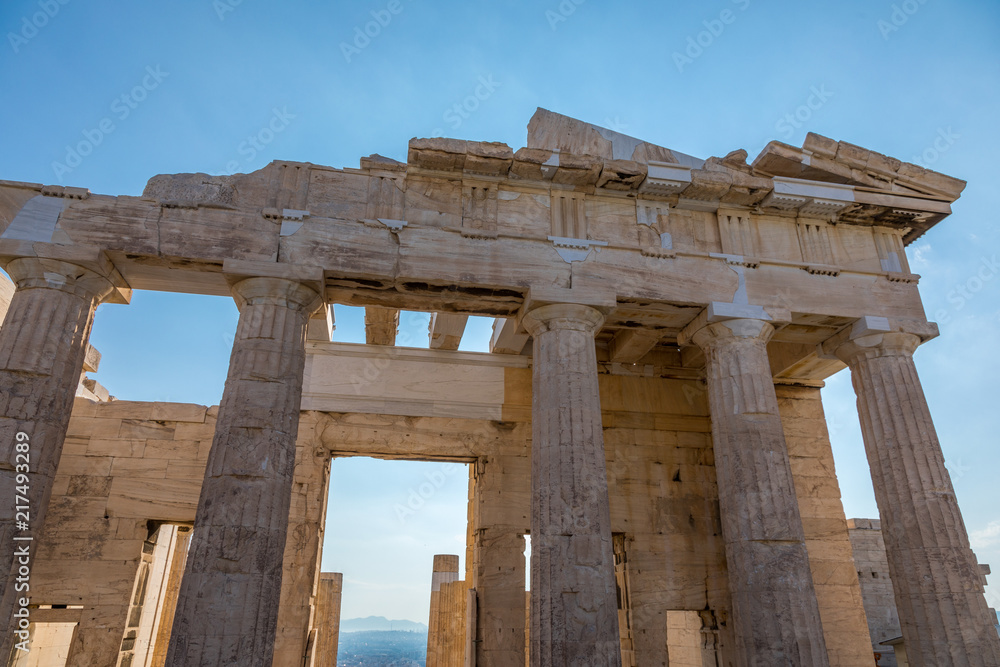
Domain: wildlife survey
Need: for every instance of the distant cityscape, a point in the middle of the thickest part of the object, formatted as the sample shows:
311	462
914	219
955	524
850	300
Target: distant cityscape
380	642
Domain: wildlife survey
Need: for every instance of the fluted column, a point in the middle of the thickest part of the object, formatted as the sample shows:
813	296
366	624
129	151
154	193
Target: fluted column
228	604
43	342
938	588
775	613
574	609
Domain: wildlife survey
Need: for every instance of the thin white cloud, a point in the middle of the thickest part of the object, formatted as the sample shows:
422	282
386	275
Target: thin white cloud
986	537
992	598
921	255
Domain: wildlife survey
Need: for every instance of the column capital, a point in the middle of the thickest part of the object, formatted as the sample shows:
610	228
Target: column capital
564	316
277	291
38	272
711	333
871	337
85	271
887	344
728	313
236	270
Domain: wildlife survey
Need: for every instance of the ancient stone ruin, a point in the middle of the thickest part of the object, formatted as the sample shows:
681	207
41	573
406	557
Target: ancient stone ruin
649	412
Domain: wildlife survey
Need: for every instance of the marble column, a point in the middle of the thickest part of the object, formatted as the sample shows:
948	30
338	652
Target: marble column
445	571
574	609
328	595
228	604
775	613
938	588
43	342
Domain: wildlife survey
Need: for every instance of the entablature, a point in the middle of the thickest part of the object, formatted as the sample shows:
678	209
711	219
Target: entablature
469	228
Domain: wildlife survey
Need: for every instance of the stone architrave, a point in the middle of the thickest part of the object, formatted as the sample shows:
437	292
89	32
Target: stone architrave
228	604
574	609
775	613
938	587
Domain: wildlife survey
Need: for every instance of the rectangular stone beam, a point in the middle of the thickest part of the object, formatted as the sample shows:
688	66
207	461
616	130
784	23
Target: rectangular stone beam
630	345
802	362
381	325
347	377
508	337
92	361
445	330
321	325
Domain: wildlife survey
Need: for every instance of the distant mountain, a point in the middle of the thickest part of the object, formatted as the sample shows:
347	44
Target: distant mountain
379	623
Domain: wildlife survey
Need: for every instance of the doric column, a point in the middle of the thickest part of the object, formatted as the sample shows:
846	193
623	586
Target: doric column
775	613
938	588
228	604
574	608
43	342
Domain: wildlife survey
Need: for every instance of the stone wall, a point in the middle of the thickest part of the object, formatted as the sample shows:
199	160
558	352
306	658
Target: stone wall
124	465
128	467
826	528
876	587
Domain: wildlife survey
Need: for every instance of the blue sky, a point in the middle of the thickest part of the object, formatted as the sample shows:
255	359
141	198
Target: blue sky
149	88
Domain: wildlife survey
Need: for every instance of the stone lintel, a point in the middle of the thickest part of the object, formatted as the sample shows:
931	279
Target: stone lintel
321	325
509	337
630	345
445	330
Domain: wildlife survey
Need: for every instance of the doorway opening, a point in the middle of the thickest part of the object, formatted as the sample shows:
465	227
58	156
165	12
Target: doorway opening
386	521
